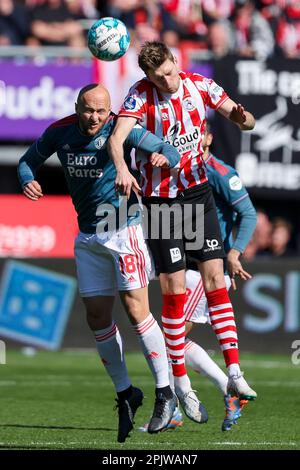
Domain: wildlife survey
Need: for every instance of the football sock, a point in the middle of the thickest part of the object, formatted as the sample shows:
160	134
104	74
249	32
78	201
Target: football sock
234	369
153	345
223	323
197	358
110	348
182	384
173	321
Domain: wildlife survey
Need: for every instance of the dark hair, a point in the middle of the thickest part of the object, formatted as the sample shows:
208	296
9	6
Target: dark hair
153	54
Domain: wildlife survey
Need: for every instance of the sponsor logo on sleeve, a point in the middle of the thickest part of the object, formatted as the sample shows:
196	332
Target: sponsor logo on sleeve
130	103
235	183
216	92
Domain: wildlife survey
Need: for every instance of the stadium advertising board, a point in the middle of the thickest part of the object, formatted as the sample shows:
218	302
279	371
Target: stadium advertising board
37	229
35	304
268	157
267	308
33	96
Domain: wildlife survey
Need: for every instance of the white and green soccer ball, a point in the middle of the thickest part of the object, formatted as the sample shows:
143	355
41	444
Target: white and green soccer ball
108	39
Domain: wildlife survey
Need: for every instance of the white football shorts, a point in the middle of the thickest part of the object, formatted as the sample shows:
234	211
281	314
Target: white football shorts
112	262
196	308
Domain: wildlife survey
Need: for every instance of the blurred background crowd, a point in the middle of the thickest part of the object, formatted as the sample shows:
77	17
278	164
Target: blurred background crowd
253	29
248	28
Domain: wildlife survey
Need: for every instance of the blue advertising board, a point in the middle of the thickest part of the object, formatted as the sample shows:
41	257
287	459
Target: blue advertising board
35	304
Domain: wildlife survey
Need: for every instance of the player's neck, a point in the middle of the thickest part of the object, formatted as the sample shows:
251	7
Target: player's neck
206	154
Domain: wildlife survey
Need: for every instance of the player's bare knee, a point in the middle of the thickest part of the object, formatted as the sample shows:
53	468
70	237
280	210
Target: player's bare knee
98	321
98	311
136	304
173	283
135	314
214	281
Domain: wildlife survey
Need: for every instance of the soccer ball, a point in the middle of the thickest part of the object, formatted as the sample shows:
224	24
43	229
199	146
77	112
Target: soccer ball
108	39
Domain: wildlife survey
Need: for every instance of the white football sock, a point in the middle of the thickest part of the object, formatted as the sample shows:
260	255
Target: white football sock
182	384
234	369
110	348
153	345
201	362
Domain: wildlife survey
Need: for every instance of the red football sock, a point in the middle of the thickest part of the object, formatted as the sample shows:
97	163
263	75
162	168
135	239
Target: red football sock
223	323
173	321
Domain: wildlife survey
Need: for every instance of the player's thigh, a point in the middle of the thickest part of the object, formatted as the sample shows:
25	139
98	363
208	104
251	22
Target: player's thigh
131	257
95	268
165	242
212	247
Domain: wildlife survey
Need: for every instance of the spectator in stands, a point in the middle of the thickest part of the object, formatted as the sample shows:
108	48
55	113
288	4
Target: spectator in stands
188	17
280	238
53	24
288	32
252	34
220	38
148	20
14	23
217	10
271	11
82	9
261	240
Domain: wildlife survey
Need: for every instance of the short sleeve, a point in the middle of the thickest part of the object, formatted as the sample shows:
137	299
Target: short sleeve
213	94
134	105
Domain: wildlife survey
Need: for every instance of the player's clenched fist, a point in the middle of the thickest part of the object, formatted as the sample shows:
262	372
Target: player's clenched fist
158	160
33	190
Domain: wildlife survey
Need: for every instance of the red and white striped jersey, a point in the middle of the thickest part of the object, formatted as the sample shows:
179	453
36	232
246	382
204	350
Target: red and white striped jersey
179	119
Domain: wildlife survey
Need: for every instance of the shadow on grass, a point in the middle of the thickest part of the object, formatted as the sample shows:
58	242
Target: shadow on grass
48	448
38	426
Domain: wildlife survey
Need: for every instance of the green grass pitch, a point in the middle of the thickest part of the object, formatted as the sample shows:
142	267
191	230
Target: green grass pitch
64	400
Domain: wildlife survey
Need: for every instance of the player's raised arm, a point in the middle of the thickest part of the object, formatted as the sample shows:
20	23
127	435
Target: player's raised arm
124	180
237	114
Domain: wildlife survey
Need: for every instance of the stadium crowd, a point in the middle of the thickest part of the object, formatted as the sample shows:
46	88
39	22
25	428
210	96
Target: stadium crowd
249	28
272	237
